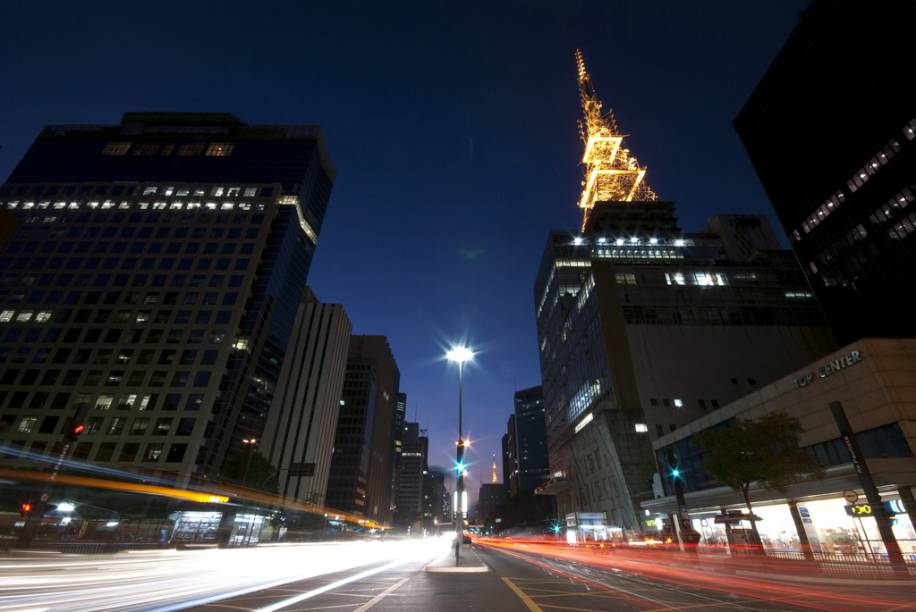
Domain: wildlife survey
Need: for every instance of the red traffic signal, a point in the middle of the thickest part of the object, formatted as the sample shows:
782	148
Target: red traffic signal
25	509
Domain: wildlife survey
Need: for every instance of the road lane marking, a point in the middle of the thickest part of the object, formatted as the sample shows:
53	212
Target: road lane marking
329	587
394	587
522	595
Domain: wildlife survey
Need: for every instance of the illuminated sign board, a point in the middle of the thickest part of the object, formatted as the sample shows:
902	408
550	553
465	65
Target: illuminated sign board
831	367
585	421
891	507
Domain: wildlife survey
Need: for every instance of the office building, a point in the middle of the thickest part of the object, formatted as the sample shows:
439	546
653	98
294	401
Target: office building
643	327
299	436
831	132
530	439
510	461
361	468
490	499
411	467
152	283
875	381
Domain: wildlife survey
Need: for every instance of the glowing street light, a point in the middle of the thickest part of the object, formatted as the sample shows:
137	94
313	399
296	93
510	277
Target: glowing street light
460	354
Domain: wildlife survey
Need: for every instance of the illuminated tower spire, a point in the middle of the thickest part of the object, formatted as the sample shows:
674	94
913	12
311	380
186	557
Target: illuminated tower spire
493	476
611	172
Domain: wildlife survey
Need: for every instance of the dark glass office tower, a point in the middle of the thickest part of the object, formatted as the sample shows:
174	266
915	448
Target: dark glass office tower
530	439
361	468
831	132
153	279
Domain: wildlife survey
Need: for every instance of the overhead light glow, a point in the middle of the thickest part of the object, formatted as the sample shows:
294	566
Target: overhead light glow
459	354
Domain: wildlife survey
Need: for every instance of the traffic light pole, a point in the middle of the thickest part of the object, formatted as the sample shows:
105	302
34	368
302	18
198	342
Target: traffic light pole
459	479
37	507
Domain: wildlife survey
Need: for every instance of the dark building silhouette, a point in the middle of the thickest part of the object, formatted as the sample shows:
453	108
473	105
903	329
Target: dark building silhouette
153	279
510	460
411	468
490	499
530	439
361	469
436	502
830	131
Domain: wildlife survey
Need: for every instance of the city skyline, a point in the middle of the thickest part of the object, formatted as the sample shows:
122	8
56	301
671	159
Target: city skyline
474	177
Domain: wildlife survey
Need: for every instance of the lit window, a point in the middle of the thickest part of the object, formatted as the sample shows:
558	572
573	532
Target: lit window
678	403
220	149
27	424
250	192
24	316
6	316
641	427
116	148
104	402
43	316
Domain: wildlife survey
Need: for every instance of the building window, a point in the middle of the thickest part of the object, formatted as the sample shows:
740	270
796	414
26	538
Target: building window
176	453
27	425
641	427
190	149
145	148
139	426
116	148
220	149
153	452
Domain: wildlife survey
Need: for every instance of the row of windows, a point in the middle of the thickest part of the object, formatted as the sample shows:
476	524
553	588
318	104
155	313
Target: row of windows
644	315
132	298
38	259
84	190
680	403
884	212
111	336
188	149
111	378
174	205
162	316
115	426
40	400
129	452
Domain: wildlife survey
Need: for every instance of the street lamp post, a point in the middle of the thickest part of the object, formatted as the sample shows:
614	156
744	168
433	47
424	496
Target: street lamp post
459	354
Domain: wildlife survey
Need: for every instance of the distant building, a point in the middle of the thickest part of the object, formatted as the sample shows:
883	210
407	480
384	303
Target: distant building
361	469
642	327
152	283
436	506
411	467
299	435
846	196
510	458
490	499
530	439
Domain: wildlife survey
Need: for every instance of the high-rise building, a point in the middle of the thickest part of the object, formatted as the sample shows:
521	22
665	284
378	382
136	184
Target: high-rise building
510	458
831	132
152	284
490	499
530	439
411	467
400	417
361	468
299	436
643	327
434	492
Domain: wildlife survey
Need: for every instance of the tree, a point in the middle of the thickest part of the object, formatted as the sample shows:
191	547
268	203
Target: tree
765	451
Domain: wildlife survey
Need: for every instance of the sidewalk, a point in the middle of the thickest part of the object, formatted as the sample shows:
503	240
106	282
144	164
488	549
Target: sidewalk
469	562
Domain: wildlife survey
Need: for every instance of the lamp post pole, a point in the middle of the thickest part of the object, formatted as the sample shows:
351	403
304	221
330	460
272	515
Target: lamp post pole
459	517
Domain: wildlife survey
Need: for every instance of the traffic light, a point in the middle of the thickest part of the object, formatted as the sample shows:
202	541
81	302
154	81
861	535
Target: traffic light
25	509
675	472
77	424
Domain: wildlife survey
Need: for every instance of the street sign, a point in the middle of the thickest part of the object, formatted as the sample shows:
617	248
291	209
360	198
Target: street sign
851	496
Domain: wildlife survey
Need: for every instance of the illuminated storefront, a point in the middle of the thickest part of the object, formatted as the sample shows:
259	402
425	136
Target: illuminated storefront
872	379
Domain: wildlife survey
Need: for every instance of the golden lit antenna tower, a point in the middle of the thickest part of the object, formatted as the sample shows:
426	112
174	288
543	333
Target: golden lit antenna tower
611	172
493	476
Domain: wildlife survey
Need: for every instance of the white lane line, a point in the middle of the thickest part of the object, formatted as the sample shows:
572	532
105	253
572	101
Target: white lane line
329	587
381	595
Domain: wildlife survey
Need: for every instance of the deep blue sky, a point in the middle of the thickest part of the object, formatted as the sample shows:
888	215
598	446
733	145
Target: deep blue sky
453	129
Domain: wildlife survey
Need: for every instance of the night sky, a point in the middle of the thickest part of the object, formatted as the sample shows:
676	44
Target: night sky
453	131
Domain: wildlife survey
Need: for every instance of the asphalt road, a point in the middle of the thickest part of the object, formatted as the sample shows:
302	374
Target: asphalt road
356	577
